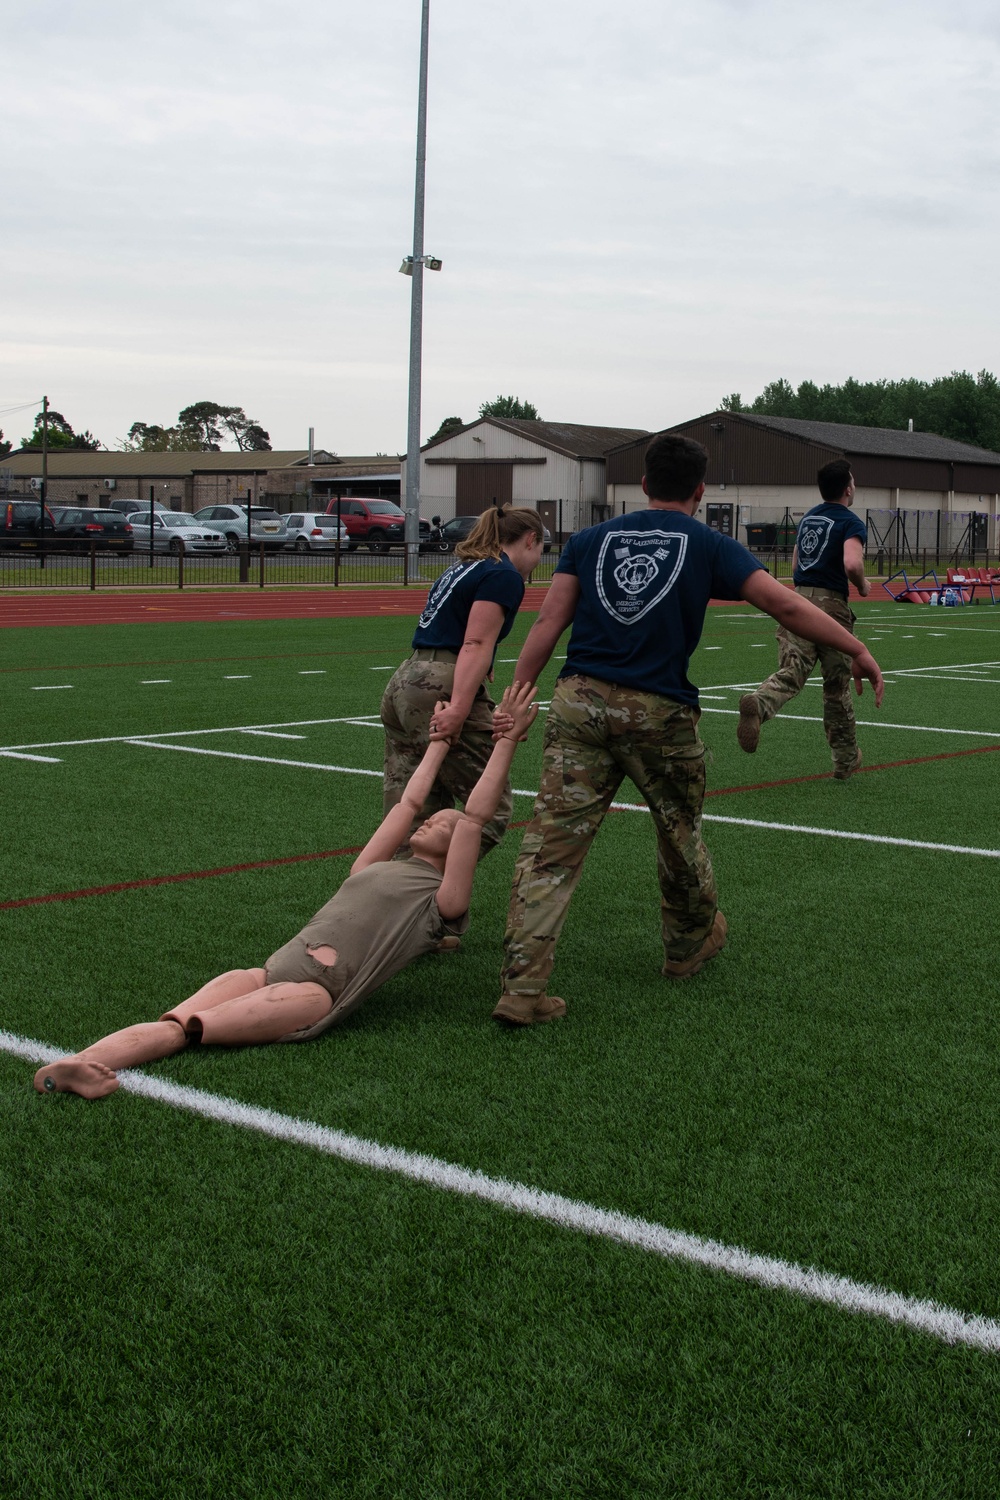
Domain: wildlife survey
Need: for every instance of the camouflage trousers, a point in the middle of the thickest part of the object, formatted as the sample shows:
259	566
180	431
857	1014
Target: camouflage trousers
796	660
407	705
597	734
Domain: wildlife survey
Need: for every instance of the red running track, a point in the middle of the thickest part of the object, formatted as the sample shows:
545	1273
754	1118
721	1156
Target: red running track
177	608
173	608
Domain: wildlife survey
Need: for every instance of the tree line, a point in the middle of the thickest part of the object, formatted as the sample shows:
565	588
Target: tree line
961	406
201	427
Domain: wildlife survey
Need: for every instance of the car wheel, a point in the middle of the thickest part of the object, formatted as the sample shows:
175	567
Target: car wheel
377	542
176	546
232	542
301	545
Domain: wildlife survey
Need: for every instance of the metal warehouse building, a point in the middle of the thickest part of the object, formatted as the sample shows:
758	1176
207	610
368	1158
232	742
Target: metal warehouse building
919	491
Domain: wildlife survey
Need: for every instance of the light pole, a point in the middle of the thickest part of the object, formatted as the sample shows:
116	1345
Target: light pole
413	265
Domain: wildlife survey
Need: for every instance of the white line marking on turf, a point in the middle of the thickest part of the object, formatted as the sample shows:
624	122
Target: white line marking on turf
53	687
267	760
52	760
983	734
838	833
948	1324
153	681
381	669
170	734
237	677
273	734
313	672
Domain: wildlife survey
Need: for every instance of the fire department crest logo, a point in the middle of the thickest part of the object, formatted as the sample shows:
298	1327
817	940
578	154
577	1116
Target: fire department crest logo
813	535
636	569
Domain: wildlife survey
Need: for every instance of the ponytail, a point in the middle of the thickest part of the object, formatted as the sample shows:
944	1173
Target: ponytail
495	529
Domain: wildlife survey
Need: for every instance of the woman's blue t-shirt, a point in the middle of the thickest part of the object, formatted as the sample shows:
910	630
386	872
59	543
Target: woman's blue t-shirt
645	582
443	623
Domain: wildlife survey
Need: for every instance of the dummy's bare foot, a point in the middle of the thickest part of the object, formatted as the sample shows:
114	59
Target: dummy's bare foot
90	1079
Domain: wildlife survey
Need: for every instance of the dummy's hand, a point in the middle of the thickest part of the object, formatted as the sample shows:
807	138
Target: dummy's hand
865	587
519	710
862	666
446	722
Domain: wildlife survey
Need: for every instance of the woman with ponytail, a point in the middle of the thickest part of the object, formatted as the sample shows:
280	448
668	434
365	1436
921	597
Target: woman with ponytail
471	607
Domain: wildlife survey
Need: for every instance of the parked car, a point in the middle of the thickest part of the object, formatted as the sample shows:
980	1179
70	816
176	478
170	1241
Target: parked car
176	531
445	538
379	524
131	507
266	526
77	527
21	524
314	531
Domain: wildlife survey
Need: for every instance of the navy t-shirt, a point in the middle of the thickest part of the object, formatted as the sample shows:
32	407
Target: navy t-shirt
820	541
645	582
446	614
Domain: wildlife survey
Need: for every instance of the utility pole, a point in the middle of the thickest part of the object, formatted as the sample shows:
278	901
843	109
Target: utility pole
415	268
45	479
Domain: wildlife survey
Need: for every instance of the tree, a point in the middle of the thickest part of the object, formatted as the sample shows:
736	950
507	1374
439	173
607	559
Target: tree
200	426
962	406
200	422
448	426
509	406
5	445
248	435
60	435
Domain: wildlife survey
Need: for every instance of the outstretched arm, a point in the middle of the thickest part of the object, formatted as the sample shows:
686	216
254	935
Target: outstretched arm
803	618
473	663
396	824
463	852
557	611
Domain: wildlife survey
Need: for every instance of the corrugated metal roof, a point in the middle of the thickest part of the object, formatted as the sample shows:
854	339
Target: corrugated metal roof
74	464
574	439
874	442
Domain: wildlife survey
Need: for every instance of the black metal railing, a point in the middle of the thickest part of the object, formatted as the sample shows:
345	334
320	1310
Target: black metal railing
49	565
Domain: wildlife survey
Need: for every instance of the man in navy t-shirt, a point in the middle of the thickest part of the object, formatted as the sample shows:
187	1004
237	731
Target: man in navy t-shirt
635	590
829	554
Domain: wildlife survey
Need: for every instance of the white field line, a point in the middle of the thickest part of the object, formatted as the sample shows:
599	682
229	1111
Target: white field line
639	807
983	734
373	720
272	734
54	687
52	760
170	734
947	1324
267	760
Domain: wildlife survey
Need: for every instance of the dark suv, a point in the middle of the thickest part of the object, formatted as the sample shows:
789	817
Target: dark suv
21	524
380	524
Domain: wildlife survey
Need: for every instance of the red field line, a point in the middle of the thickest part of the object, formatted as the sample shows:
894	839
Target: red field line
136	885
885	765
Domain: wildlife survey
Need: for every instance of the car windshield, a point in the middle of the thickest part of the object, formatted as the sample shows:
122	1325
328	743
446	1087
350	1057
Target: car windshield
105	516
177	518
384	508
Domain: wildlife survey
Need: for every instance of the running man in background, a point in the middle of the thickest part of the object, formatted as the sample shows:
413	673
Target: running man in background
635	590
829	554
470	609
386	913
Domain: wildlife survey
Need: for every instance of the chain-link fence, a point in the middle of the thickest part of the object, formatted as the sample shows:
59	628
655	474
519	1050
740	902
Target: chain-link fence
896	538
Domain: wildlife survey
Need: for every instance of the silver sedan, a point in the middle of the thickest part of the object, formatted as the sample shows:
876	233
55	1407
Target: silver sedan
175	531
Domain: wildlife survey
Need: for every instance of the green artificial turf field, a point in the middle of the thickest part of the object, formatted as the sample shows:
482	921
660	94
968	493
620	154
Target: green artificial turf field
192	1307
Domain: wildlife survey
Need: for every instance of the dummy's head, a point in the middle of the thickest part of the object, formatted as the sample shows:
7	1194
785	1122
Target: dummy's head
433	837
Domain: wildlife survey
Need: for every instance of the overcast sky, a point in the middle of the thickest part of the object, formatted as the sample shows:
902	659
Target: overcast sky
640	206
